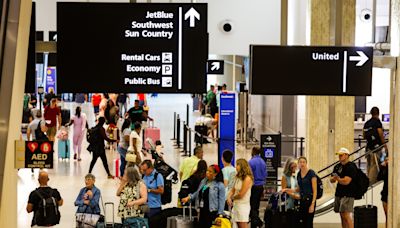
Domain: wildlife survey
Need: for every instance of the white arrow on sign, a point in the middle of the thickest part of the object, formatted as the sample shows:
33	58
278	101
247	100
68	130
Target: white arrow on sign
192	14
215	66
361	58
269	138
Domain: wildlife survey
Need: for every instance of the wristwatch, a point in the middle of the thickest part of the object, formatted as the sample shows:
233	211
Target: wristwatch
149	190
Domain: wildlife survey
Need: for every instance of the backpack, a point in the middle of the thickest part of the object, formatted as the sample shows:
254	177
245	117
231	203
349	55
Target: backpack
361	184
166	197
47	212
92	136
39	134
372	137
320	187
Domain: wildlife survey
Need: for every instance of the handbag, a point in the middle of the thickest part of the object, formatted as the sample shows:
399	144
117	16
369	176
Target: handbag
130	157
136	222
84	220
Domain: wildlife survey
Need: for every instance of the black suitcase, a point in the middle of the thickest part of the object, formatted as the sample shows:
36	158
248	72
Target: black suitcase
203	131
366	216
65	116
278	215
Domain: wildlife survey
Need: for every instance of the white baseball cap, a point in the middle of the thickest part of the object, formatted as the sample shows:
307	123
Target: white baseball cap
343	151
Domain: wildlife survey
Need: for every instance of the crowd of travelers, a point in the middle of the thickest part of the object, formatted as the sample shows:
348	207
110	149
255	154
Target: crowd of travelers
233	191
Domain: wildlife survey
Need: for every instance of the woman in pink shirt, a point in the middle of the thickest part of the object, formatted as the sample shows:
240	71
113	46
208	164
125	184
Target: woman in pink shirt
79	122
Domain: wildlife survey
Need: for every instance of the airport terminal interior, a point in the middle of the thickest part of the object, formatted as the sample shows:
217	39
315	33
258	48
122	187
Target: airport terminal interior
291	80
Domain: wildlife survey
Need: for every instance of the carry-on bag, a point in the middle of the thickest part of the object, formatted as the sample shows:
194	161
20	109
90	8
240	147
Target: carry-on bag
278	215
116	166
366	216
181	221
64	149
152	133
109	219
65	116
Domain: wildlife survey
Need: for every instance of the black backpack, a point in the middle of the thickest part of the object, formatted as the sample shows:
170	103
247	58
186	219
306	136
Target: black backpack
320	187
47	212
361	184
39	134
92	135
372	137
166	197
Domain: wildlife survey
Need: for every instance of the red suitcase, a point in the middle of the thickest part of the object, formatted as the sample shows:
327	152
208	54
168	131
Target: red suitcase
116	166
152	133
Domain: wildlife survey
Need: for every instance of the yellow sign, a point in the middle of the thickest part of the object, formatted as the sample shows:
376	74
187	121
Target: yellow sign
19	154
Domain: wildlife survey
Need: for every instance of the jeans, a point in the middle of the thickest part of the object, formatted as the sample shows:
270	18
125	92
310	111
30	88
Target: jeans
255	198
153	211
306	218
122	153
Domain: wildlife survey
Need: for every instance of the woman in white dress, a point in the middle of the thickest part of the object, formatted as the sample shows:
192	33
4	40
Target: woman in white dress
239	196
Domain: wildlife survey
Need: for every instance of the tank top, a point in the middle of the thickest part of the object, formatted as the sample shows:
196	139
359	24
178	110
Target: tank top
246	198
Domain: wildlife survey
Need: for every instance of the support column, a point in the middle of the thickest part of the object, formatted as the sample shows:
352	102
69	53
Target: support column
330	120
317	107
11	96
394	140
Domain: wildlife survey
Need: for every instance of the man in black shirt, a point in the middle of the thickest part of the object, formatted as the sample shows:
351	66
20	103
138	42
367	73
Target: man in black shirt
42	191
135	113
373	132
343	174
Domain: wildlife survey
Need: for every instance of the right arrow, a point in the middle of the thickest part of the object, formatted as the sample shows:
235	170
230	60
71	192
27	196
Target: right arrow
192	14
215	66
361	58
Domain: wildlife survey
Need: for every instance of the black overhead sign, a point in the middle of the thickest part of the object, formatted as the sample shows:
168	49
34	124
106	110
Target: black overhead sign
215	67
121	47
305	70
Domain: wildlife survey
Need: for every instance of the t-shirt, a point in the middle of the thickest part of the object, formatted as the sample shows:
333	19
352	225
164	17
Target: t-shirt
188	166
153	200
305	183
34	198
122	142
51	114
96	99
136	114
349	170
139	144
373	123
259	169
229	173
33	126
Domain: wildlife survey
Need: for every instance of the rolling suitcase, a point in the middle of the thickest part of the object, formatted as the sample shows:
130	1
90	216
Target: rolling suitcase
278	215
152	133
109	219
116	165
65	116
366	216
201	131
64	149
181	221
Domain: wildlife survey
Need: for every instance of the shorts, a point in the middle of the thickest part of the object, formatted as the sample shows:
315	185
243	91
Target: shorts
344	204
96	109
51	131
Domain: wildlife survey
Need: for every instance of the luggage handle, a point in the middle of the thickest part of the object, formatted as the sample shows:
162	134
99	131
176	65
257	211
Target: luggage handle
105	213
190	211
151	123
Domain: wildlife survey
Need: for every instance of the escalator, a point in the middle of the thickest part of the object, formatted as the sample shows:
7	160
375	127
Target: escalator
326	203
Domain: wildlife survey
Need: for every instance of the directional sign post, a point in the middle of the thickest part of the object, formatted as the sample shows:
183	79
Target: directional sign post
305	70
215	67
129	48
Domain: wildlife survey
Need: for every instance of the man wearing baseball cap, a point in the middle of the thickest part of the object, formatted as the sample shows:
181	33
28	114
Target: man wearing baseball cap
343	174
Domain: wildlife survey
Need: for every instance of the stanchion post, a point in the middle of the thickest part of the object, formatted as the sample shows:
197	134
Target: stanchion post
187	114
359	146
184	139
174	126
178	130
190	142
301	146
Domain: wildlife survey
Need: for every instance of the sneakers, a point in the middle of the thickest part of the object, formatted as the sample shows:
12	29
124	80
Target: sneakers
74	156
110	176
79	159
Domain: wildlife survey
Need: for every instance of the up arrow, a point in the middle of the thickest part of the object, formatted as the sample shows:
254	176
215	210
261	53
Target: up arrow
192	14
361	58
215	66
